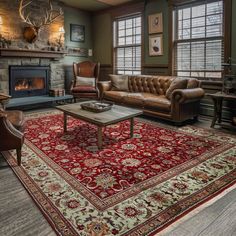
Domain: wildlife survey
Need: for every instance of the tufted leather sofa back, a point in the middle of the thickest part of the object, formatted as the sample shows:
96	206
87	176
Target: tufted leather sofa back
150	84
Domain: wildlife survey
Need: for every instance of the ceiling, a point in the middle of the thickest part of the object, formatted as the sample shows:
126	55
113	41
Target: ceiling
94	5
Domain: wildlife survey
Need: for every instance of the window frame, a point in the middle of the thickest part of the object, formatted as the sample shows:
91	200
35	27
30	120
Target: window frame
115	39
227	21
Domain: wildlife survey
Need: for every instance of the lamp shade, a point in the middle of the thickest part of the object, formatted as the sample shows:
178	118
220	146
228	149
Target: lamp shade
61	29
1	20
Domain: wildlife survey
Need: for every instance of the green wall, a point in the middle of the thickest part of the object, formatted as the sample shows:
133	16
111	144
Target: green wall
152	8
75	16
102	36
102	32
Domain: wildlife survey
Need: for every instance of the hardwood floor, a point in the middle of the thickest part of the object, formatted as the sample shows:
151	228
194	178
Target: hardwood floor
20	216
18	213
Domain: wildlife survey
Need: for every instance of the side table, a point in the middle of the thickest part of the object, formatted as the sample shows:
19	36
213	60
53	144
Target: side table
218	100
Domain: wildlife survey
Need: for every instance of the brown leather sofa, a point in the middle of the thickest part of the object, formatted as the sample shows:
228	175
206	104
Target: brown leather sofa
149	93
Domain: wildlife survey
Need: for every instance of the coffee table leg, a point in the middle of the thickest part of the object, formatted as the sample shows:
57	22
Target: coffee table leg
99	137
65	122
131	127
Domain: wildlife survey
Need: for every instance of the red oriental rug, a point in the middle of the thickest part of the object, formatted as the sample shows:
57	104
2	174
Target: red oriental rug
132	186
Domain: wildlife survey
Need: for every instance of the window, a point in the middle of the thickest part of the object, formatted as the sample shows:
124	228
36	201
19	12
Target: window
198	39
127	45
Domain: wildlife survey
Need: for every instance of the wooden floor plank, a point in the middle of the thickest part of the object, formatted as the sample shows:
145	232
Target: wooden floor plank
18	213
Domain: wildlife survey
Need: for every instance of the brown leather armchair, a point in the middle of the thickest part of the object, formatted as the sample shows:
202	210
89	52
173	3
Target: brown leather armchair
11	129
84	84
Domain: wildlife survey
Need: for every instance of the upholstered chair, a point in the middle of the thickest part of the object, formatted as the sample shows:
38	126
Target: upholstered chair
11	128
84	84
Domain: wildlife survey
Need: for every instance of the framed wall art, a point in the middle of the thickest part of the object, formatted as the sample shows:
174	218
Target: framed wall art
155	45
77	33
155	23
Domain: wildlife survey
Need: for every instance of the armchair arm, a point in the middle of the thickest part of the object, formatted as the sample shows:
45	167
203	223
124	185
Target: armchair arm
11	138
187	95
103	86
4	99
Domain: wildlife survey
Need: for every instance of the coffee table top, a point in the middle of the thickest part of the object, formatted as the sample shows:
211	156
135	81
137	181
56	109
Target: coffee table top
116	114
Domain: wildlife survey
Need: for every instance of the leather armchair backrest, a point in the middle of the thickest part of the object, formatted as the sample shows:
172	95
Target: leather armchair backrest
85	69
150	84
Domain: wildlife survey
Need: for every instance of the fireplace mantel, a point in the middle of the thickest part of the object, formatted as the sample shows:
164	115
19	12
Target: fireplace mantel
10	52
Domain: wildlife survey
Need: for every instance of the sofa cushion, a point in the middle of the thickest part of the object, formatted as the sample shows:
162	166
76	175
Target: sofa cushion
119	82
155	102
178	83
135	99
149	84
116	96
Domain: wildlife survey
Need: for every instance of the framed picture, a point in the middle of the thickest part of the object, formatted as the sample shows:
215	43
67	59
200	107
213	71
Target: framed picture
155	45
155	24
77	33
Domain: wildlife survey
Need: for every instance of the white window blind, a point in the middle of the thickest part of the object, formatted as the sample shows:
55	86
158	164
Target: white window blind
127	45
198	39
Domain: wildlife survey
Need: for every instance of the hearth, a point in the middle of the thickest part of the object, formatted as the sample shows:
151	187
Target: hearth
28	80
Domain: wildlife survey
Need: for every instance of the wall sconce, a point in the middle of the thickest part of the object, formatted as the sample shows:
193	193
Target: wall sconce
61	31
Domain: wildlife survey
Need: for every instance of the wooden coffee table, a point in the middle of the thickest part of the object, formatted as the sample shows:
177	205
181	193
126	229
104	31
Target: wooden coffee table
102	119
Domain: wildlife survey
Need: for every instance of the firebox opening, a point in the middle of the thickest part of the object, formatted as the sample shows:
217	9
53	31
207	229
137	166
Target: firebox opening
29	84
28	81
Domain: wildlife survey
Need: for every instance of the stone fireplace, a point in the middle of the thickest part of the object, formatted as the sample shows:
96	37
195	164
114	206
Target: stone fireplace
20	53
27	81
55	74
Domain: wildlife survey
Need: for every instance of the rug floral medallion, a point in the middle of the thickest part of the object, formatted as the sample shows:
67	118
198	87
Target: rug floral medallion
130	187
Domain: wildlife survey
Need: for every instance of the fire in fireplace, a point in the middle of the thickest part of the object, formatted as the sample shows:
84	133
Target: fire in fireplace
29	84
28	80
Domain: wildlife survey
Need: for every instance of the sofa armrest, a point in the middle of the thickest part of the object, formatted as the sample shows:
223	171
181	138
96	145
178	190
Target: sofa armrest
187	95
103	86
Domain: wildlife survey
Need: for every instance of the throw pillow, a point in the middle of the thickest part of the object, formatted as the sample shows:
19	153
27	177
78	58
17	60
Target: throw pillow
192	83
176	84
119	82
85	81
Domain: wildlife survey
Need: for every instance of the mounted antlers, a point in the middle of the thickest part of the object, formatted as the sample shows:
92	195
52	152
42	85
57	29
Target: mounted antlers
31	32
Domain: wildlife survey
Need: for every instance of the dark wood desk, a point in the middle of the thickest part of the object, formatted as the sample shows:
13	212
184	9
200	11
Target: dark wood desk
218	100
